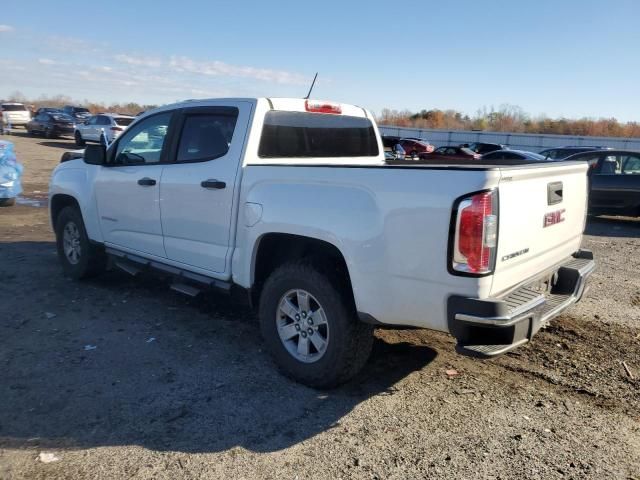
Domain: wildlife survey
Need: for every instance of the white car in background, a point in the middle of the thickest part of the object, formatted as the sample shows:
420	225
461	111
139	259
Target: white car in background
102	128
15	114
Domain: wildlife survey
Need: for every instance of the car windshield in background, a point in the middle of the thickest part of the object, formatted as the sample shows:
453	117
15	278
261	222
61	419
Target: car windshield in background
81	110
300	134
124	121
13	108
62	117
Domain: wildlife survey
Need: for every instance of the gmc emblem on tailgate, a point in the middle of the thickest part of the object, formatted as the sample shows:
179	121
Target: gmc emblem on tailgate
552	218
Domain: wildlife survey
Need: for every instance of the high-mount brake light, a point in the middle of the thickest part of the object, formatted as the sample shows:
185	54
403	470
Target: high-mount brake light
476	234
322	107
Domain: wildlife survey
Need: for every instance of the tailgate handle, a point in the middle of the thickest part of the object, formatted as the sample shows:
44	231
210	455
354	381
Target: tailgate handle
554	193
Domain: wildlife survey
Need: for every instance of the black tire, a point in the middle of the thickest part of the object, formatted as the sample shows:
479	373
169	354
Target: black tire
349	342
79	141
91	259
48	133
7	202
413	153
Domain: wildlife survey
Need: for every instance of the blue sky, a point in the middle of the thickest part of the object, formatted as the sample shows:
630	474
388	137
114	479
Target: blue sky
569	58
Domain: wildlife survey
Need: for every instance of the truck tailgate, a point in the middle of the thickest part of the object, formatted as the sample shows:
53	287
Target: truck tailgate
542	212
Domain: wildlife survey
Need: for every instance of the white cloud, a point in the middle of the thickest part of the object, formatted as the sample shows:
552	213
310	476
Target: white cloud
139	61
221	69
46	61
6	28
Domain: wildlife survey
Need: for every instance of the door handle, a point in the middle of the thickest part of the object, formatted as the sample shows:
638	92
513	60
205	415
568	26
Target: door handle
146	182
213	184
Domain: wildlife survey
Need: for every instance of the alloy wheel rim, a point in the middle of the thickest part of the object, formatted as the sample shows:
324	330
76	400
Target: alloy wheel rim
71	243
302	326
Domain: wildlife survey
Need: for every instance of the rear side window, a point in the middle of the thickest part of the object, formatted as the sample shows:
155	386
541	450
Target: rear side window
317	135
13	108
207	136
124	121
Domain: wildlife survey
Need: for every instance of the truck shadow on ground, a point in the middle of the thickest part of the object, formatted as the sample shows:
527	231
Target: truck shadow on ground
121	361
613	227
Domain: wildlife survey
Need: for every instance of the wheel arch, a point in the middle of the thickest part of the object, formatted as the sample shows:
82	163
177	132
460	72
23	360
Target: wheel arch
58	202
273	249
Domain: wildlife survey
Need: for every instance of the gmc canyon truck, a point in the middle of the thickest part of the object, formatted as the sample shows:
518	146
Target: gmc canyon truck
291	201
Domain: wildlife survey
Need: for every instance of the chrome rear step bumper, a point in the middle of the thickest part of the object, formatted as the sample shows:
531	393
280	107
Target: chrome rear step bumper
493	326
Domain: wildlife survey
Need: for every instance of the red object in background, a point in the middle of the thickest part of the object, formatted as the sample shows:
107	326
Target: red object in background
413	146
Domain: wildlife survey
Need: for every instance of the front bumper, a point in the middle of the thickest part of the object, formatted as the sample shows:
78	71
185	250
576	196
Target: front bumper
493	326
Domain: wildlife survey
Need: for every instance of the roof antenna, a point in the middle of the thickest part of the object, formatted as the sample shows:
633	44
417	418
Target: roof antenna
312	84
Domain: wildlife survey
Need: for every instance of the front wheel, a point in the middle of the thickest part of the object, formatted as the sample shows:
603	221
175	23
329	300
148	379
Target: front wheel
78	256
310	327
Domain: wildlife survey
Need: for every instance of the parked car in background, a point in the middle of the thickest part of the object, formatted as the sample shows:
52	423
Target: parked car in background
396	153
560	153
79	113
52	124
614	181
415	146
450	153
101	128
388	141
48	110
482	148
513	155
15	114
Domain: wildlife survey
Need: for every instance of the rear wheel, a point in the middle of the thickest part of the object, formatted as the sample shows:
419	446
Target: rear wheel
310	327
79	257
7	202
79	141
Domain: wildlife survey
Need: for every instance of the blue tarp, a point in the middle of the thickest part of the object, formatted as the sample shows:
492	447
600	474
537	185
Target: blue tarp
10	171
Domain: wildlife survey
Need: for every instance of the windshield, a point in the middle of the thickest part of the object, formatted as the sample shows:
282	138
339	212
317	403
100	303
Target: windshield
62	117
80	110
13	108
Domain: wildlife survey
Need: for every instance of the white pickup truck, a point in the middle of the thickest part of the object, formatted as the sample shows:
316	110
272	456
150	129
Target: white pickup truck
291	201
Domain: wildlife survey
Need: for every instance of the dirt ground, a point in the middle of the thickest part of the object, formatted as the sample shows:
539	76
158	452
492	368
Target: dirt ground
122	378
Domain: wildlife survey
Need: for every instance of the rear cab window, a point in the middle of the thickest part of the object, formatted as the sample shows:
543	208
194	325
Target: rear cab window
288	134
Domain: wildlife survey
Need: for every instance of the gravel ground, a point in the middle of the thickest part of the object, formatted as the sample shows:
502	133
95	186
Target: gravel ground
122	378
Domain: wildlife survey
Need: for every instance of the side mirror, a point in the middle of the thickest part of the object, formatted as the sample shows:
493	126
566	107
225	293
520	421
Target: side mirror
95	155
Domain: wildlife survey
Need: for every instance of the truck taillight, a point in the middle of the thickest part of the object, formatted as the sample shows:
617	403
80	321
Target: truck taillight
322	107
476	234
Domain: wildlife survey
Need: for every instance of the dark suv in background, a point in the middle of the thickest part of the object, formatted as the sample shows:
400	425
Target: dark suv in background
560	153
482	148
79	113
614	181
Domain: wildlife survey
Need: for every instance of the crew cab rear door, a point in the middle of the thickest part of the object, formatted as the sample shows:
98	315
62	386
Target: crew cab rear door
542	211
199	185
